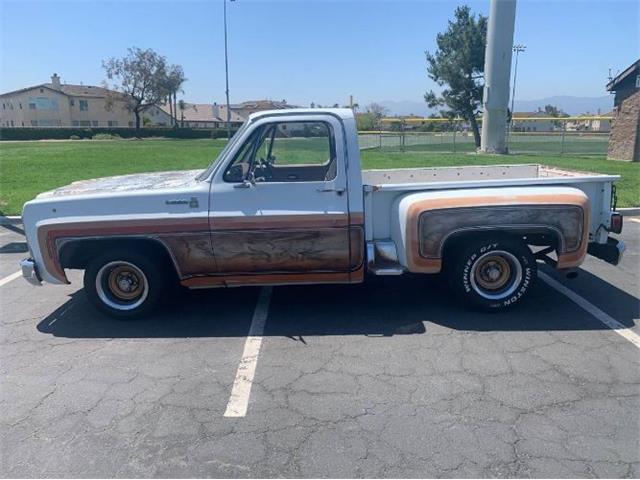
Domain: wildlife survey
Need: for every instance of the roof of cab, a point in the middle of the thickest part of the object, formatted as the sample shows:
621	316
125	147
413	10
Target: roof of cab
344	113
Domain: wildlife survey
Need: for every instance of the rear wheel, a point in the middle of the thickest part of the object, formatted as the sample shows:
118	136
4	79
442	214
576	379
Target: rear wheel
125	284
492	273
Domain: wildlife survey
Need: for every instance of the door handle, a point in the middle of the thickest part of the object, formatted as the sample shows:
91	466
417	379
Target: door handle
339	191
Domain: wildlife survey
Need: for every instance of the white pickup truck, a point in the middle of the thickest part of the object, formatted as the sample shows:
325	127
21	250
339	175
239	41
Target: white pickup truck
286	202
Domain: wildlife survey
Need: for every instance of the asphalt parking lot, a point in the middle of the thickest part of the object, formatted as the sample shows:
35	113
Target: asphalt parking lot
388	379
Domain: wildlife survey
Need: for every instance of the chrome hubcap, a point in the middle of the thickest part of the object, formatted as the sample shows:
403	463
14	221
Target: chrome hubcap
496	274
122	285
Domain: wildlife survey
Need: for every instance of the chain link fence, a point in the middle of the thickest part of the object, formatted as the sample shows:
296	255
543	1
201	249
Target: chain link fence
532	136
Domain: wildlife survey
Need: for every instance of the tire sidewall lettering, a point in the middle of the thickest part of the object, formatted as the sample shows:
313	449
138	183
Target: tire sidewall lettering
524	285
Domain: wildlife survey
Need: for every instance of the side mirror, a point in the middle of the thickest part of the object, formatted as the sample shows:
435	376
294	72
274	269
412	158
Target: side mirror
247	182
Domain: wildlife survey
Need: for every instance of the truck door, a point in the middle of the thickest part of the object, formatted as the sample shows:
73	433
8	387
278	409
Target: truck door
279	207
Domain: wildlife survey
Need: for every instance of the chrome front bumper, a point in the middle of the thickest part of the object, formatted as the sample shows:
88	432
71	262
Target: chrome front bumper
30	272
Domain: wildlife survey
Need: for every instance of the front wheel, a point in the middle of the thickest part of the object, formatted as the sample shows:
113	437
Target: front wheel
124	284
492	274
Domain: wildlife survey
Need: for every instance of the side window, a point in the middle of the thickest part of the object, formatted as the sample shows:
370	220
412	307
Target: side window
286	152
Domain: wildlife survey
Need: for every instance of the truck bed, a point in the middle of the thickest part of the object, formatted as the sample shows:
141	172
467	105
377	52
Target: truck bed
383	187
474	176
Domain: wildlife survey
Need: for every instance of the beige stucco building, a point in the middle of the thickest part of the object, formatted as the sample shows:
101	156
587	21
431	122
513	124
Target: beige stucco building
59	104
205	115
532	122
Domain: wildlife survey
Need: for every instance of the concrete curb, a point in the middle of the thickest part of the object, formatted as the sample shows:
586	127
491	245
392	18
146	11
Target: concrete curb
629	212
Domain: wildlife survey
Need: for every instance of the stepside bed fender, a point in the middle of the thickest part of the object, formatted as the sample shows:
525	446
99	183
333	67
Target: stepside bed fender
424	222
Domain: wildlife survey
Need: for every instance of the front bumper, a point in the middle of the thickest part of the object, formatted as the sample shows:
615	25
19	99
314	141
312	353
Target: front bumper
30	272
611	252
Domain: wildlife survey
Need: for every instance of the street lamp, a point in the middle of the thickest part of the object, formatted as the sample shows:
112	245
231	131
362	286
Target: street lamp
517	49
226	71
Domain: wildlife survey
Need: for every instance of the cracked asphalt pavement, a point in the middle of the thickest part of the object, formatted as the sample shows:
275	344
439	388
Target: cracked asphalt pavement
388	379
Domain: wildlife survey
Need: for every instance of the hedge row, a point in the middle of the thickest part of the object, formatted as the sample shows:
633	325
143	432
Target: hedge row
64	133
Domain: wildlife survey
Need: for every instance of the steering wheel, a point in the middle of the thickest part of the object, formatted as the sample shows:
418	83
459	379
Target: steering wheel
263	170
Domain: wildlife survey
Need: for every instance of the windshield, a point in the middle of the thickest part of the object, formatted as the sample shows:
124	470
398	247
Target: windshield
204	175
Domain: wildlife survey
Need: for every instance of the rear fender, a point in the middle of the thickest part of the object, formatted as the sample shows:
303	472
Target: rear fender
429	220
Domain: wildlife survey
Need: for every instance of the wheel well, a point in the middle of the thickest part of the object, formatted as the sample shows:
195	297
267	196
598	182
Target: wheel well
78	253
540	237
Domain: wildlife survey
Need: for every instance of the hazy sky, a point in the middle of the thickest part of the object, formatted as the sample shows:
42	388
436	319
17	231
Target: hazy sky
304	51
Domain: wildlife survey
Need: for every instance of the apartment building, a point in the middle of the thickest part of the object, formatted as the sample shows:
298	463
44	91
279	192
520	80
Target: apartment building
64	105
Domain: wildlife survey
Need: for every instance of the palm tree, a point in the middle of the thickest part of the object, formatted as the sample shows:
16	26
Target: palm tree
168	100
182	106
175	79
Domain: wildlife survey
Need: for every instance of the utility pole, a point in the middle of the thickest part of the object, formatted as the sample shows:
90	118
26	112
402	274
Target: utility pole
497	68
517	49
226	71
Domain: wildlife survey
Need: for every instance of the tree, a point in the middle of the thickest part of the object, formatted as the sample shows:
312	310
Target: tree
553	111
182	105
175	79
458	64
141	77
365	121
377	112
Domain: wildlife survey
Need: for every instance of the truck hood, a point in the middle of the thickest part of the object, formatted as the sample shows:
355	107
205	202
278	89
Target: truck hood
126	183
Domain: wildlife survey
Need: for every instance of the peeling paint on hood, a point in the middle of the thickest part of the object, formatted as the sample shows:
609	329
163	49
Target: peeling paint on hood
126	183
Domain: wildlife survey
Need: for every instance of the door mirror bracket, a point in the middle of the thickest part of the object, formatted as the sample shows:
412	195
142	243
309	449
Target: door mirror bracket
245	184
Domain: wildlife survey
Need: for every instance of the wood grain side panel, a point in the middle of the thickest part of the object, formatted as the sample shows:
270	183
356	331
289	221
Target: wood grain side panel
564	220
48	235
291	243
574	259
285	250
356	247
191	253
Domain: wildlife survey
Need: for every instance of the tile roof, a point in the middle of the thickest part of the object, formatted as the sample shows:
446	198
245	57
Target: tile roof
234	117
194	112
70	90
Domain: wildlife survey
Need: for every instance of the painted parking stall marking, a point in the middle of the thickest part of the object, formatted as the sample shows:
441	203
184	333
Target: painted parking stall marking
609	321
10	278
241	391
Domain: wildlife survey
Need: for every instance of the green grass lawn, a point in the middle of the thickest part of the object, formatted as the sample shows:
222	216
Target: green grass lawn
27	168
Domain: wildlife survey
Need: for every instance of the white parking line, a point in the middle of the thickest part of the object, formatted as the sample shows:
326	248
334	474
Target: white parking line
637	220
609	321
11	277
239	400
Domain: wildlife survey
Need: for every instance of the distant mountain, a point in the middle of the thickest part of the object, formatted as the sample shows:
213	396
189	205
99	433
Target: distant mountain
567	103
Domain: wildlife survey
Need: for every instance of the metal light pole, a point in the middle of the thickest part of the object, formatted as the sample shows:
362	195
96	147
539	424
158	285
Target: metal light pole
497	69
226	71
517	49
